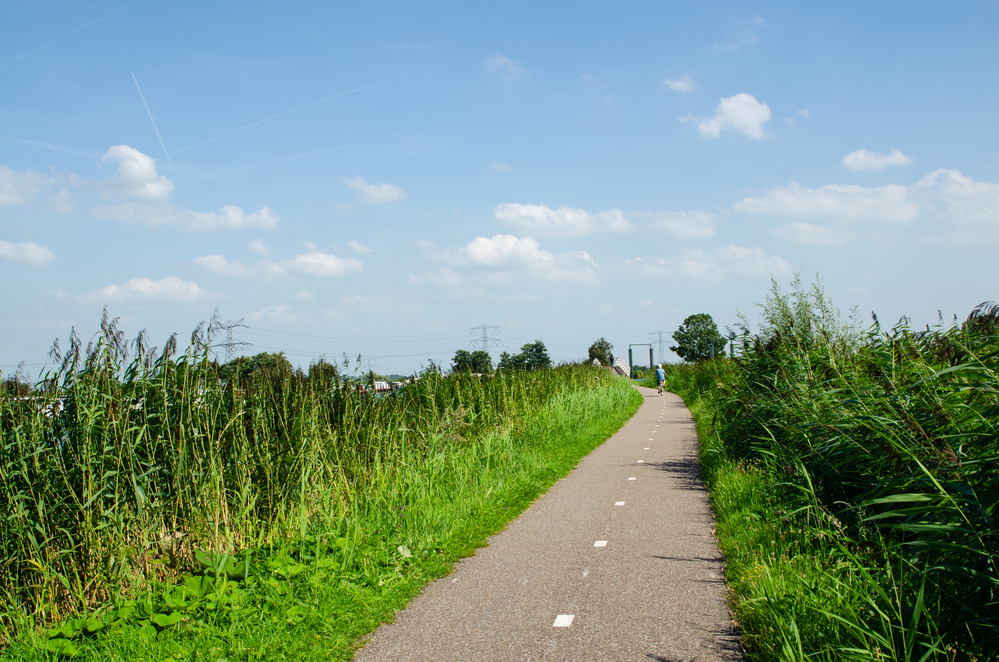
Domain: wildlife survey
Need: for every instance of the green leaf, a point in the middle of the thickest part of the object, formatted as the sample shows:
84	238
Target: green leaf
404	551
93	625
167	620
61	647
200	585
147	632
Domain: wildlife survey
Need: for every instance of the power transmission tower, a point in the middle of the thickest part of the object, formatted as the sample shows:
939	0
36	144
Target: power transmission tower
659	342
484	341
230	344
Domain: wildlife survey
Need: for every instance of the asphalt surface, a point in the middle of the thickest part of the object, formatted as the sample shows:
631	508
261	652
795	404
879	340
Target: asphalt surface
623	545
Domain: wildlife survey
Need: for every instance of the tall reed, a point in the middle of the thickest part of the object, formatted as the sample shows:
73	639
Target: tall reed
116	470
861	482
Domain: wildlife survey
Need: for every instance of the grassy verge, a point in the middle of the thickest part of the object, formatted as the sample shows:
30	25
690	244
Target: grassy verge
360	529
854	480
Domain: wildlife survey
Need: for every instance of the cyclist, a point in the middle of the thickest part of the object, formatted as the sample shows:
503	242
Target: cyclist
660	377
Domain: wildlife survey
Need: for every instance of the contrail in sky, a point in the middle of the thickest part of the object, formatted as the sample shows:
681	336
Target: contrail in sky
313	153
141	96
287	112
47	43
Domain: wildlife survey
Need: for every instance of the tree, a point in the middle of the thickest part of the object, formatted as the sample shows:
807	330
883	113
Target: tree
324	371
696	336
601	350
533	356
478	362
511	363
274	365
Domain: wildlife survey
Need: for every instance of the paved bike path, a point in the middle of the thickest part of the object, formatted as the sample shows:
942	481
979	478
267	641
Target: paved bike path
623	545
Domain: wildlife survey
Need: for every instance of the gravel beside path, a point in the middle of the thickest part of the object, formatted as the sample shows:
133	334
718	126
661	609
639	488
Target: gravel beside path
616	562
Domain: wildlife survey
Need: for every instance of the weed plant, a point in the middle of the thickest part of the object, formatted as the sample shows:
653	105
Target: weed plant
153	507
855	475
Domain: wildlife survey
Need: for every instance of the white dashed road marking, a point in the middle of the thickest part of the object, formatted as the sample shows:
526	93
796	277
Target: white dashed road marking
563	620
619	503
600	543
632	478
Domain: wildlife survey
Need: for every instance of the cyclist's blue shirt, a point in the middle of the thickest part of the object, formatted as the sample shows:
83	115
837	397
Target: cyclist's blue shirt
660	375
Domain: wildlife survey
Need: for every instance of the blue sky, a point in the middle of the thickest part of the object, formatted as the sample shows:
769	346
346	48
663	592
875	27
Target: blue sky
378	179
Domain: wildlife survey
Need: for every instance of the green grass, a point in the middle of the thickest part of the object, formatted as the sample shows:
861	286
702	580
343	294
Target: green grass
855	478
299	516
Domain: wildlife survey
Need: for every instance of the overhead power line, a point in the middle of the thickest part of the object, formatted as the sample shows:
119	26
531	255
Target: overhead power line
230	344
484	342
657	337
256	330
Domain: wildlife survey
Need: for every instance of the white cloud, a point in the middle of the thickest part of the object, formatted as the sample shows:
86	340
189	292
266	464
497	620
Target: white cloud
864	160
321	264
169	289
970	207
733	46
28	187
682	84
714	265
217	264
500	166
684	224
752	261
137	176
229	217
374	193
889	203
18	188
28	253
804	112
506	67
309	264
358	247
966	210
507	255
274	314
260	248
544	221
815	235
741	112
443	277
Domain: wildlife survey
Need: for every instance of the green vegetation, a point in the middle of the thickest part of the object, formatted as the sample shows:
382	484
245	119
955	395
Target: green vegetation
478	362
155	510
855	477
276	364
601	350
698	338
533	356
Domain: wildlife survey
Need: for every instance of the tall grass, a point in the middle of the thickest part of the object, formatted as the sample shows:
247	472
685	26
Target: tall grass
118	471
856	478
